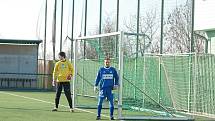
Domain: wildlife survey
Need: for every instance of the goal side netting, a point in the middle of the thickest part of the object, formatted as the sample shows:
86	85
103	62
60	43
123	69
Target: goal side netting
142	94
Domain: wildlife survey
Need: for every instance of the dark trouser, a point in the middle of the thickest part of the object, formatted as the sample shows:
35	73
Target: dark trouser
66	87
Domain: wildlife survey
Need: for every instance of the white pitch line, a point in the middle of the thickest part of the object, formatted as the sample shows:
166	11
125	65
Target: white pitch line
49	102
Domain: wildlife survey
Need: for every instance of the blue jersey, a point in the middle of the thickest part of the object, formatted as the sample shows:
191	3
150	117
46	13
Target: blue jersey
107	77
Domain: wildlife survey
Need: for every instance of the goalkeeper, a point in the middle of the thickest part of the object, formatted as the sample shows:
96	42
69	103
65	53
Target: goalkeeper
62	74
107	79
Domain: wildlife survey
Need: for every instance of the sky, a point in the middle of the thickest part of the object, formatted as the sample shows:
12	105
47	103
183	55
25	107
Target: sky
204	14
19	18
24	19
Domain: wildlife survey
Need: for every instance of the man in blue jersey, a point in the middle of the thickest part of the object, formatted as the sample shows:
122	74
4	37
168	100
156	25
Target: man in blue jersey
107	79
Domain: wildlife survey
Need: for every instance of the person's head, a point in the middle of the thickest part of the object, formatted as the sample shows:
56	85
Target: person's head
62	55
107	62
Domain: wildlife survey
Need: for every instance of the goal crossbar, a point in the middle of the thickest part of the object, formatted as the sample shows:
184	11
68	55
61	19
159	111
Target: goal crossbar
121	36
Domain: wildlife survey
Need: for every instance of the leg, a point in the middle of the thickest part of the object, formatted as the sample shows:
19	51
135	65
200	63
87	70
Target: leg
68	93
100	101
110	98
58	93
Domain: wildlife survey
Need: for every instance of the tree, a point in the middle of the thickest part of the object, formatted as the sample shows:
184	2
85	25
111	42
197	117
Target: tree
178	30
101	47
176	36
149	26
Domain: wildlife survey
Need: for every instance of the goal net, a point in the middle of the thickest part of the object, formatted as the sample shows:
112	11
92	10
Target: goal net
146	88
89	54
188	83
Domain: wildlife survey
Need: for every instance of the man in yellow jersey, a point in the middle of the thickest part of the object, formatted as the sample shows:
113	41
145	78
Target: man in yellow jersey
62	74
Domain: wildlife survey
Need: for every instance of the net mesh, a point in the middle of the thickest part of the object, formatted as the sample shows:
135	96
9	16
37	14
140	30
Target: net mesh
152	85
90	56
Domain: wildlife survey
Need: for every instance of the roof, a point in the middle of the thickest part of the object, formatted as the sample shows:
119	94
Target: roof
209	29
15	41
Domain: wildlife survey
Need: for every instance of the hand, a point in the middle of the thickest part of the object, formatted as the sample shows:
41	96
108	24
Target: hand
53	83
95	89
69	77
115	87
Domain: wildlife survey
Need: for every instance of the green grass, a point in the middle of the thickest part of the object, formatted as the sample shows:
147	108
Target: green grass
15	108
37	106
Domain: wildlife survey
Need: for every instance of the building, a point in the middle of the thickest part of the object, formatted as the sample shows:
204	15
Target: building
18	63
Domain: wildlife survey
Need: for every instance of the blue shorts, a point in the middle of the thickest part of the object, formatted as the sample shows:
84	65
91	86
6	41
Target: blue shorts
103	93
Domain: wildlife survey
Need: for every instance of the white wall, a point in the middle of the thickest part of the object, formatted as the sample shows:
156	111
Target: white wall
18	59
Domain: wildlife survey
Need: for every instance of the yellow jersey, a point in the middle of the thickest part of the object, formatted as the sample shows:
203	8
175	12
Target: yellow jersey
62	70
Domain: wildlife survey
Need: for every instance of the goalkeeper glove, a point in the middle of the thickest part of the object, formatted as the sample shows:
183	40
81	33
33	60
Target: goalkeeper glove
115	87
95	89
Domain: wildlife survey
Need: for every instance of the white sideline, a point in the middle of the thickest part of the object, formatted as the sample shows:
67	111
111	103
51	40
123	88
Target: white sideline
50	103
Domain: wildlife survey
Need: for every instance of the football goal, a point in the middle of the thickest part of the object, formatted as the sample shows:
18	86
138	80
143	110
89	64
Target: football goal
143	93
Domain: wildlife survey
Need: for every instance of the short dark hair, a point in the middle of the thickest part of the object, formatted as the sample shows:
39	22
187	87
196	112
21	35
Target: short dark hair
107	58
62	54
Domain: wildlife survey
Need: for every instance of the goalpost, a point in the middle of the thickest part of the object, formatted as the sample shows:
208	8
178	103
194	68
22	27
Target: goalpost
137	96
89	53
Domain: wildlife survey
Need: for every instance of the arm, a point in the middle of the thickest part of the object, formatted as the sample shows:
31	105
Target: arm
54	75
98	78
55	72
71	68
116	77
